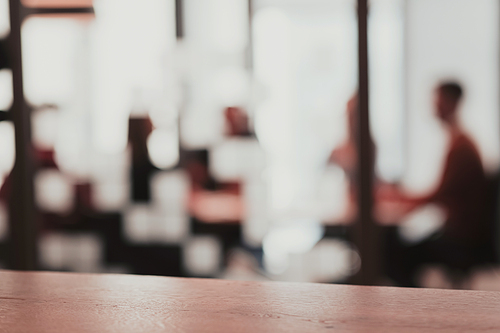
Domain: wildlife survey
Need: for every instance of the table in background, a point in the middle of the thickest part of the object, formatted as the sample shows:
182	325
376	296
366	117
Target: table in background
69	302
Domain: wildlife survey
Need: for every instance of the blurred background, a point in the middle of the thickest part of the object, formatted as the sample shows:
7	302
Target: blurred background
210	138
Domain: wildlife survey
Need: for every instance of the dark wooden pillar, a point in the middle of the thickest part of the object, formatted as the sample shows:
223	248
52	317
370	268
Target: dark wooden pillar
366	233
249	53
179	19
22	213
21	202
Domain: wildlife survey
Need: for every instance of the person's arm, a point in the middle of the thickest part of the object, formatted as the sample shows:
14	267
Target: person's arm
460	165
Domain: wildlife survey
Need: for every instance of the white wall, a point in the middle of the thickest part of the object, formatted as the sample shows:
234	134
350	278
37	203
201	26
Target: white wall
450	39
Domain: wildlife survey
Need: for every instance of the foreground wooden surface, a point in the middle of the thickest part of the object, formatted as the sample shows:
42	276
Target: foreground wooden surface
64	302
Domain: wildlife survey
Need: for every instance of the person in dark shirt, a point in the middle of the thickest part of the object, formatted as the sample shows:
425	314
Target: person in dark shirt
461	192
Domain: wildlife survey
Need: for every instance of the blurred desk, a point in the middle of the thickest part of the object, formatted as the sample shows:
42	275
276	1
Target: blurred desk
65	302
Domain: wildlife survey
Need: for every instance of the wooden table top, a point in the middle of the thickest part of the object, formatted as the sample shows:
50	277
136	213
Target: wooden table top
66	302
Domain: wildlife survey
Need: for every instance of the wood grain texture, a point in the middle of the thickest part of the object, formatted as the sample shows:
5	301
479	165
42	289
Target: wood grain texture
65	302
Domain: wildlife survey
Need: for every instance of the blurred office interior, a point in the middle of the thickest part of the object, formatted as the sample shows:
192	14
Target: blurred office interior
202	138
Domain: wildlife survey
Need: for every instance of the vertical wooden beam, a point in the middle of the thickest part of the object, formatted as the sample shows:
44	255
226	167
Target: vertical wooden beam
249	55
406	123
23	225
496	236
179	19
365	231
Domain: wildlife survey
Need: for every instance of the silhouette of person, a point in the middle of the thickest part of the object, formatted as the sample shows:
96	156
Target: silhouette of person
346	156
461	192
236	122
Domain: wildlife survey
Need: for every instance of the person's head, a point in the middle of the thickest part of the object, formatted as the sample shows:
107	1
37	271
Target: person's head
352	114
236	121
448	97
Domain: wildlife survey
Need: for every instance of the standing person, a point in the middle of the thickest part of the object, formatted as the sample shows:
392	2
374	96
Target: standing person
346	156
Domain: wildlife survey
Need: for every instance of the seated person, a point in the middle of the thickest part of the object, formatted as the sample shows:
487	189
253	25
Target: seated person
461	192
